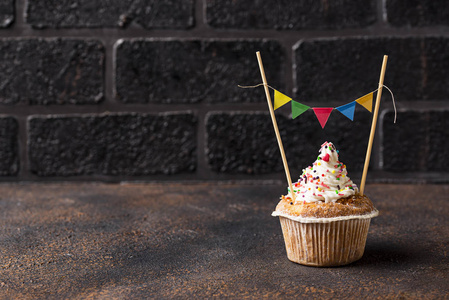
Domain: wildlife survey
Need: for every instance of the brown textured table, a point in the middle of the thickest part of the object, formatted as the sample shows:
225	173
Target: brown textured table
205	240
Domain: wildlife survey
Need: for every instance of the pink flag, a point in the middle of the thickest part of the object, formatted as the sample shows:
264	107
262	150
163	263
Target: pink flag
322	114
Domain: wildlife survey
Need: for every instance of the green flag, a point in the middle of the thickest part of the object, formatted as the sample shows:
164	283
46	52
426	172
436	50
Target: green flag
298	108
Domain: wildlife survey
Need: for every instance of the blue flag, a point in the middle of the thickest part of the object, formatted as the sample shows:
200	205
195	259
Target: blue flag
347	110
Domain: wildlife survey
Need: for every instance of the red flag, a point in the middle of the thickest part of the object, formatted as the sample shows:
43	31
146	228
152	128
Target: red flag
322	114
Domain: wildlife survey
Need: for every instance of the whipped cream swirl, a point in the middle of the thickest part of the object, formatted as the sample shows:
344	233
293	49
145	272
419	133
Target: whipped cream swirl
326	180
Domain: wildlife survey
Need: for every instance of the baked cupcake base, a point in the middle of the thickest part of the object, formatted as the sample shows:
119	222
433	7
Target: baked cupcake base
325	243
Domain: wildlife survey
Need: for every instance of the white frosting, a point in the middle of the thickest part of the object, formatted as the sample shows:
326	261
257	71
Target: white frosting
326	180
372	214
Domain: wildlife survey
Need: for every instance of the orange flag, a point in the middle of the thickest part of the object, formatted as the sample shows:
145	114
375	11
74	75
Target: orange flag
366	101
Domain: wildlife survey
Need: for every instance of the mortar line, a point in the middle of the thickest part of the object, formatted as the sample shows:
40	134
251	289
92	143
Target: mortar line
21	29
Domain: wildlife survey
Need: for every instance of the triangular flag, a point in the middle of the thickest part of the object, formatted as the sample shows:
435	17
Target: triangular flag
298	108
280	99
366	101
322	113
347	110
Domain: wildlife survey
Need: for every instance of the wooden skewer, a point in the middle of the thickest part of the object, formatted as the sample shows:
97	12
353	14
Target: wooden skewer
276	129
373	125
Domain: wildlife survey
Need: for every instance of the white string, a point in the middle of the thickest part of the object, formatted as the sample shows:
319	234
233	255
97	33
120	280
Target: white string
391	93
392	99
249	86
394	104
254	86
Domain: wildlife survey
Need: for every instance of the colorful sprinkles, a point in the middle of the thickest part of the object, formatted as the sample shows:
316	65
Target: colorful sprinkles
326	167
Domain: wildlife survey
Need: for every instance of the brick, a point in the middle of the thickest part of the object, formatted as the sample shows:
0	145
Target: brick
245	142
167	14
165	71
418	142
9	149
112	144
417	13
51	71
271	14
6	13
153	14
347	68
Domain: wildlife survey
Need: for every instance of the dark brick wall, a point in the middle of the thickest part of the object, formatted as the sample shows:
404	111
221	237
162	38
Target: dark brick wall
51	71
6	13
167	14
147	90
427	132
9	151
417	13
166	71
290	15
417	67
111	144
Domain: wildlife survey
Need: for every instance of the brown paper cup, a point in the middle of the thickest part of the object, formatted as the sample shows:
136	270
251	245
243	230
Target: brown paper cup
325	244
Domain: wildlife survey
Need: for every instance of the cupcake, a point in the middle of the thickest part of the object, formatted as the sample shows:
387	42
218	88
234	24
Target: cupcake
327	222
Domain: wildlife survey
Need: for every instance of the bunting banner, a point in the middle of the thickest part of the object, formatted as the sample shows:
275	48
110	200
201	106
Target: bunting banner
323	113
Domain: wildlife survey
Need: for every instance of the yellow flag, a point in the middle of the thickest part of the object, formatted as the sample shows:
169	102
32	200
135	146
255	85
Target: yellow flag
366	101
280	99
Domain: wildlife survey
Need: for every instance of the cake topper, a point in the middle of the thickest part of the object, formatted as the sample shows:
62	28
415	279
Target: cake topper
323	113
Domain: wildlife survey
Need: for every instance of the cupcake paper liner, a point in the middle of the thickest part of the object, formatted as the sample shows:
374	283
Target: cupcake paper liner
325	244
